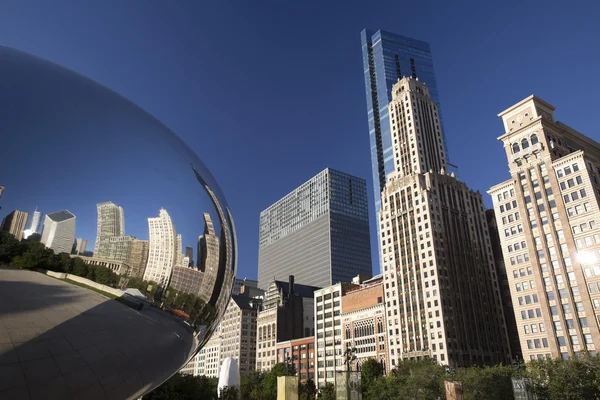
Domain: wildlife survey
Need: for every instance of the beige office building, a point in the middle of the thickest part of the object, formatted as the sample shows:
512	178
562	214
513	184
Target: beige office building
138	257
548	220
14	223
441	290
111	223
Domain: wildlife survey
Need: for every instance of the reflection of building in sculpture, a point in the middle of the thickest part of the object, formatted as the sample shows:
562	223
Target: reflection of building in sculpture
189	253
79	246
436	248
138	257
208	244
288	313
117	248
227	260
301	353
118	267
549	222
111	223
14	223
364	321
178	250
161	252
186	279
319	232
59	231
36	220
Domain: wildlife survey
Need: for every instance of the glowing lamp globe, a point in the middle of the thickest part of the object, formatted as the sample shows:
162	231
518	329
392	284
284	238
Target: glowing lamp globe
117	246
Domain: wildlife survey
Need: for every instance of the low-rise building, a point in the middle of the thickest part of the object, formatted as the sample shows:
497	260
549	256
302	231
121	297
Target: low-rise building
301	353
329	338
364	322
118	267
287	314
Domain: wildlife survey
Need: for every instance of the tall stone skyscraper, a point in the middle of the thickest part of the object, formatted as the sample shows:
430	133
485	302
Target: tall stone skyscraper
14	223
208	249
161	252
548	216
441	290
319	232
111	223
59	231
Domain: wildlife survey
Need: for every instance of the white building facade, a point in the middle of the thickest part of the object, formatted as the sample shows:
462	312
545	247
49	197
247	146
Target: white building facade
59	231
161	252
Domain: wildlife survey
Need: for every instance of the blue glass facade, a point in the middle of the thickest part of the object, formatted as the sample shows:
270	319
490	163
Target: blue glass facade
386	58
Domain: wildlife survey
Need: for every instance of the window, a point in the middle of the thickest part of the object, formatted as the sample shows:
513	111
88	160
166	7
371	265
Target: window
534	139
524	143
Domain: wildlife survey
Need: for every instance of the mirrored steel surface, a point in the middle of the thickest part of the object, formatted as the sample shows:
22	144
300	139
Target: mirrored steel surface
117	250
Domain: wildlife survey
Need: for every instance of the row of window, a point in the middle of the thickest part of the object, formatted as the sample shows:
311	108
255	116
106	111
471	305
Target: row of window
517	246
535	343
574	196
506	194
531	313
534	328
510	218
524	143
567	170
579	209
525	285
584	227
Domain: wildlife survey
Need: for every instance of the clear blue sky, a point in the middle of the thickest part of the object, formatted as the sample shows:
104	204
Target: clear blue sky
268	93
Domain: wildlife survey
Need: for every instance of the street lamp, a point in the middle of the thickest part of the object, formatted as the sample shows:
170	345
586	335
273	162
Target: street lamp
350	355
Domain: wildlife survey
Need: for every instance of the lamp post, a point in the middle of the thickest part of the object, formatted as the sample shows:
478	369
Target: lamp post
350	355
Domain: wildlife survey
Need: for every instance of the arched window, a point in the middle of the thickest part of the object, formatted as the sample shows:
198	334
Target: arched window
516	148
534	139
524	143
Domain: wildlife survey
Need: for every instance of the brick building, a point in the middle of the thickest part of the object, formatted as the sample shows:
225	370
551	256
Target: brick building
300	352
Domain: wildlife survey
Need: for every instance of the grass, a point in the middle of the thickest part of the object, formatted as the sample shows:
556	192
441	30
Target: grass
110	296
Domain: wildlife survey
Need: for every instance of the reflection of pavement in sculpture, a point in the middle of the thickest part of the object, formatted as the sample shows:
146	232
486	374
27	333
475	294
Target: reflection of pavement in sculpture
60	341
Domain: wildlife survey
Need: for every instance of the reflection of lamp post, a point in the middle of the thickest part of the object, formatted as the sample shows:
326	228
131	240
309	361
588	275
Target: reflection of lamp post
350	355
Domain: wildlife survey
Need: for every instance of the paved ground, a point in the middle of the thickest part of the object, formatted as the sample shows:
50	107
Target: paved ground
61	341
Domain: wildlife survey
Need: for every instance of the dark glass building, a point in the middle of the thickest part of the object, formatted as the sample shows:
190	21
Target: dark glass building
388	57
318	233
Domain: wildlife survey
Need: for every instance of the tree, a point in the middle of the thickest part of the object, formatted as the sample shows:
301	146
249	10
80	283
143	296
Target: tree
493	383
574	379
229	393
307	390
327	392
370	371
411	379
251	385
10	247
183	387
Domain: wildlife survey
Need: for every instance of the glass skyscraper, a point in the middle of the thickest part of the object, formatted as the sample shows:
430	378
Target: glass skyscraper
388	57
319	233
